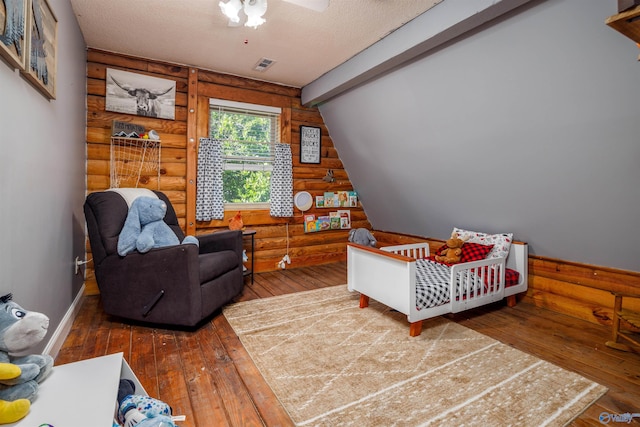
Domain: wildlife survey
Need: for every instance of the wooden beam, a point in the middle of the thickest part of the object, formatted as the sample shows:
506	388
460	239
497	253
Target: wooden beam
192	152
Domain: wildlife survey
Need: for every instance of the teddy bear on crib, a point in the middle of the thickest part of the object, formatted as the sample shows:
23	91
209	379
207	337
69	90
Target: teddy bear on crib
21	329
452	254
145	229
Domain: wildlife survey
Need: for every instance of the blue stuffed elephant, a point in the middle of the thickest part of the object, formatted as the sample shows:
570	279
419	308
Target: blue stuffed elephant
145	229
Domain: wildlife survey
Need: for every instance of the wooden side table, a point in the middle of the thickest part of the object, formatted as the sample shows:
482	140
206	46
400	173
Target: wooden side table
250	234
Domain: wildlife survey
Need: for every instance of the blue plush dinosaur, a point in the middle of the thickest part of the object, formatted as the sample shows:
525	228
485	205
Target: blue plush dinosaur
21	329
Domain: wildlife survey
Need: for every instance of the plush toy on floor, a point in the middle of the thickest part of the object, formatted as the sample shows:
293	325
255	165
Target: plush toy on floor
452	253
141	411
145	229
19	331
10	412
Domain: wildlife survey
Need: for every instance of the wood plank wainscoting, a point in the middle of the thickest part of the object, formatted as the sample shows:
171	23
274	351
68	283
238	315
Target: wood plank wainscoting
179	138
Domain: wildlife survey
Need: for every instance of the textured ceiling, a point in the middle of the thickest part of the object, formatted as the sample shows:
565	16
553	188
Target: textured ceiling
304	43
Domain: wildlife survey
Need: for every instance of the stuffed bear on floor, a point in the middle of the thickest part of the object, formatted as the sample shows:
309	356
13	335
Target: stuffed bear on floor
19	331
145	229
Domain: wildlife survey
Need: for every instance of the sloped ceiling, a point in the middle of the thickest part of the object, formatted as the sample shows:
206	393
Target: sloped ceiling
304	43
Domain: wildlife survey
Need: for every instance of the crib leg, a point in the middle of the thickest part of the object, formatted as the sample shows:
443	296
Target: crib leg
364	301
511	301
415	328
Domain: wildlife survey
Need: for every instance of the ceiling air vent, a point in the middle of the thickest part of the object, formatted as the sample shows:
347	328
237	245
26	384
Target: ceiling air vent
263	64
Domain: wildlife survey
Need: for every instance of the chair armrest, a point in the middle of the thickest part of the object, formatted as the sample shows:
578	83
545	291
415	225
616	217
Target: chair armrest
127	284
226	240
169	265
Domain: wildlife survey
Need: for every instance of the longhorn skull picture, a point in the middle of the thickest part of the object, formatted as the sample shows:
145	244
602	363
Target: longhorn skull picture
140	95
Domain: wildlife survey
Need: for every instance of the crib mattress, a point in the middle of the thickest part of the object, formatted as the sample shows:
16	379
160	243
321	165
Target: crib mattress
432	282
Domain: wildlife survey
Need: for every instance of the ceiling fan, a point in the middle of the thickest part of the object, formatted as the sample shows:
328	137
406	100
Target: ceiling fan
255	9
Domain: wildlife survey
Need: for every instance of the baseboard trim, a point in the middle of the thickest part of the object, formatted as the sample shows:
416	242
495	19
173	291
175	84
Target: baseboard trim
57	338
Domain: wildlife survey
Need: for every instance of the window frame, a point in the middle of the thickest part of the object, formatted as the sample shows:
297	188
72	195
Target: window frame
248	108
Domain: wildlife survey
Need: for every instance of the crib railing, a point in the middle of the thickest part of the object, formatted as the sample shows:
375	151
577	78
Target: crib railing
413	250
477	283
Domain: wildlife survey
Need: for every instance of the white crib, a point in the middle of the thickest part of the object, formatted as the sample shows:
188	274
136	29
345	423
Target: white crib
388	275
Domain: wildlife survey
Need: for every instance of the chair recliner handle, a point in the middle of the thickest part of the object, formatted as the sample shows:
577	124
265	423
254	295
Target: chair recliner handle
147	308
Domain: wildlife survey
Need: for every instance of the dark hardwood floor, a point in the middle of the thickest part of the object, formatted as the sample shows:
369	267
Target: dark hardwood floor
207	376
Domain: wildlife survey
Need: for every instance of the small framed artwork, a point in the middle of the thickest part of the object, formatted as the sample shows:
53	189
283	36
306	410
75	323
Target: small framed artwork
310	142
14	42
41	62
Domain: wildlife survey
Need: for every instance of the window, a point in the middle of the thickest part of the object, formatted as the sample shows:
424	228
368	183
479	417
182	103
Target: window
248	133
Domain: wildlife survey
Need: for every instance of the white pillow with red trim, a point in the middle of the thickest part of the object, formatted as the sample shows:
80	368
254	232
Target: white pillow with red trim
501	242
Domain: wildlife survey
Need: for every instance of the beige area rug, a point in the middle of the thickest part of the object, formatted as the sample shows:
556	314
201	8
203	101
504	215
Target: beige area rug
331	363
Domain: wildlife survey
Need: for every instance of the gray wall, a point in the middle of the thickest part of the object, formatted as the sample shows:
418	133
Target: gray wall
42	179
529	126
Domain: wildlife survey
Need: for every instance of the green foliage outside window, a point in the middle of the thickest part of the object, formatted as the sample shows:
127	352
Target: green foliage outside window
247	140
246	186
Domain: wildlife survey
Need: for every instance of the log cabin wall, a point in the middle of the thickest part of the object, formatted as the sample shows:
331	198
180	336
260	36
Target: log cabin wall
577	290
178	172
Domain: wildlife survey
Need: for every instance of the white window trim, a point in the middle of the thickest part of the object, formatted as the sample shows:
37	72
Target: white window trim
247	206
213	102
245	106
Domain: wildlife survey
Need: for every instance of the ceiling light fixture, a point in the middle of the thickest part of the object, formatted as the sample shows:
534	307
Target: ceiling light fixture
254	9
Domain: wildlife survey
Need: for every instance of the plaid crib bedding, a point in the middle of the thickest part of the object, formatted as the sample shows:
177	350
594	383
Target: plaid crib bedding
432	282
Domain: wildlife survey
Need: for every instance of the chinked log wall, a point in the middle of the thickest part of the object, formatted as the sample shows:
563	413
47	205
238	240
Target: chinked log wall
179	138
578	290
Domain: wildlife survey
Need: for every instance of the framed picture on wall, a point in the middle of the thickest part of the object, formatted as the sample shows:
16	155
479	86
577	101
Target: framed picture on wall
41	62
14	41
139	94
310	143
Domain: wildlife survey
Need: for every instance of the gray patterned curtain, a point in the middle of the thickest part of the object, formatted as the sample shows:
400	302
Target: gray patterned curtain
209	201
282	182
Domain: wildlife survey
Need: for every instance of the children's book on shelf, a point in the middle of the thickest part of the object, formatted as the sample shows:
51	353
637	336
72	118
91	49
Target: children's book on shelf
319	201
309	223
334	220
345	218
340	199
323	223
